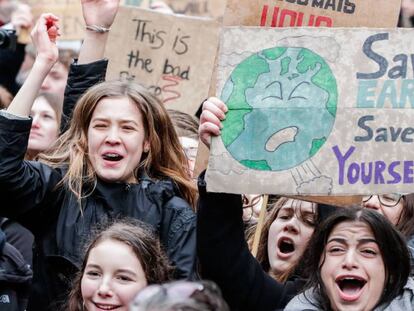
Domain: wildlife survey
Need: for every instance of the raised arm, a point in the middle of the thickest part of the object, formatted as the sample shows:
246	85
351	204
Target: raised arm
44	36
225	257
221	246
90	68
99	15
28	188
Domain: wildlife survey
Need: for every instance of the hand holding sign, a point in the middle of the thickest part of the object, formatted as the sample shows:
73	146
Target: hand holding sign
214	111
100	12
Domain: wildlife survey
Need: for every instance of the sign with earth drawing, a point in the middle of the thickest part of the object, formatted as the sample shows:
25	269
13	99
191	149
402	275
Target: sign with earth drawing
315	111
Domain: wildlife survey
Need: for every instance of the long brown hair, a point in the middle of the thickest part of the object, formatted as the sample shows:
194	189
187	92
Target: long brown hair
262	252
143	242
165	158
405	222
185	124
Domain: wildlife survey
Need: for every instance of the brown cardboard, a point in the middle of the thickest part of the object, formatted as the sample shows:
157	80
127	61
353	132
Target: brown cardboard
172	55
210	8
207	8
283	13
315	111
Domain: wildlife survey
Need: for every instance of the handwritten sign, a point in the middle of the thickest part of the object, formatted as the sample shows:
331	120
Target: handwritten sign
327	13
315	111
72	26
172	55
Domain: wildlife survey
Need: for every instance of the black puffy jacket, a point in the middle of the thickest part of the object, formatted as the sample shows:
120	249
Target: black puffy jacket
31	196
225	257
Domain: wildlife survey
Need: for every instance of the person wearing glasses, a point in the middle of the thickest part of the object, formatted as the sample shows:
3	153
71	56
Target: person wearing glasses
399	210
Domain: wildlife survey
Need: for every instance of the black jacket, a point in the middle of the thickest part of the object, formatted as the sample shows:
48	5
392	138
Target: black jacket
225	257
31	196
15	277
10	63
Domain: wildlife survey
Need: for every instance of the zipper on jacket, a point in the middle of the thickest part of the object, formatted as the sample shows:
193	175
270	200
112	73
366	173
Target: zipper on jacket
127	187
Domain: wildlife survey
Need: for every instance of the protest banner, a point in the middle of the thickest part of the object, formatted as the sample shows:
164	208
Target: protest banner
172	55
327	13
208	8
72	26
323	111
288	13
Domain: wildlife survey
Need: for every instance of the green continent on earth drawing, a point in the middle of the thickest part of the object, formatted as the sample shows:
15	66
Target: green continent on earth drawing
282	105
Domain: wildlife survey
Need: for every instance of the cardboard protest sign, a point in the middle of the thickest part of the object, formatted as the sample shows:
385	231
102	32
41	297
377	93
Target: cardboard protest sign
172	55
343	13
72	26
211	8
315	111
327	13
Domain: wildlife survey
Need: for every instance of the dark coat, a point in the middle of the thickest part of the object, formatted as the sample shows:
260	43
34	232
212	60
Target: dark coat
15	277
10	63
225	257
31	196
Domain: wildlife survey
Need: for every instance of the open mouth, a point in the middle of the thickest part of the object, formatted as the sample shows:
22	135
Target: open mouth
113	157
350	287
286	246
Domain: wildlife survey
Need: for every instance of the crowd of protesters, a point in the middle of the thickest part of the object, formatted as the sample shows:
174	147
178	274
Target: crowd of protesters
102	210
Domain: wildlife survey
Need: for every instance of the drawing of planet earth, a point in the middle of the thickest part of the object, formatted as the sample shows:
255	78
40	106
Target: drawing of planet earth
282	104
